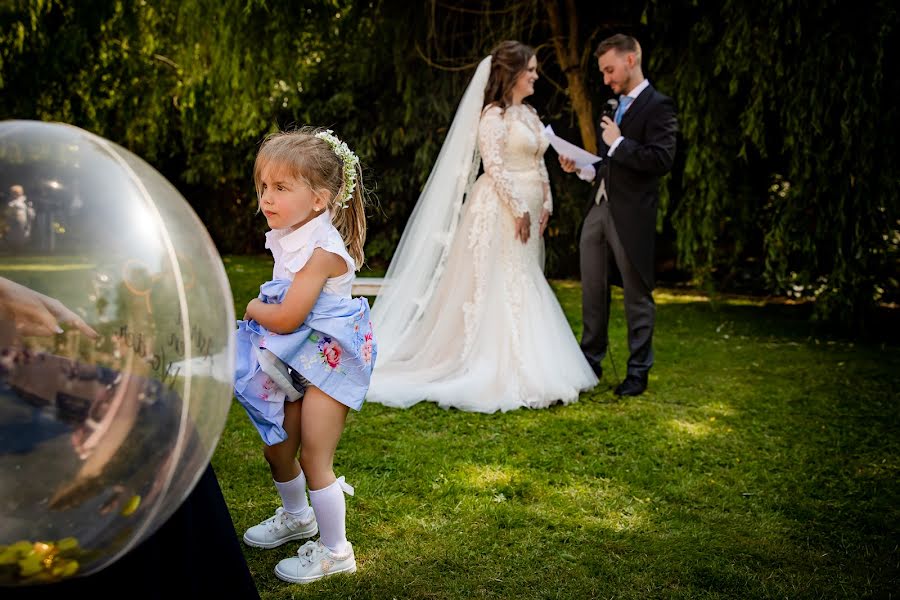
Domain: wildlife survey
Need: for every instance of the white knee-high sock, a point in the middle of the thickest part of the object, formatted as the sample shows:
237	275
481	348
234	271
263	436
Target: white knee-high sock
331	513
293	496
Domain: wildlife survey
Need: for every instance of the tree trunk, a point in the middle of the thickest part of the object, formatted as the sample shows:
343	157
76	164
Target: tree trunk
568	56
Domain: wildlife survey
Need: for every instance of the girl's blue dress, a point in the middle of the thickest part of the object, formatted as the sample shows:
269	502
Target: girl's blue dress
334	349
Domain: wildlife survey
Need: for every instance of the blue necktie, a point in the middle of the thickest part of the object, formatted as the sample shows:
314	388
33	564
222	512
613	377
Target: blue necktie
624	101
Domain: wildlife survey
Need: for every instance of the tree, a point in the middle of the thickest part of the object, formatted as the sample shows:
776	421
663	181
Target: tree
783	164
572	58
783	180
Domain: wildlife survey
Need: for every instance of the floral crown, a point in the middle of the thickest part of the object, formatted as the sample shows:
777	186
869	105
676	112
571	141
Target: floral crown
349	160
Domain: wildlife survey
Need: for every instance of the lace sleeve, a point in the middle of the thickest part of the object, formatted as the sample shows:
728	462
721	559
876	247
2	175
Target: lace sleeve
545	182
491	143
538	128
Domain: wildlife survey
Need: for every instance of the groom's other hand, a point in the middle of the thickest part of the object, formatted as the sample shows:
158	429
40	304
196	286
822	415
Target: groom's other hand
585	173
567	164
611	131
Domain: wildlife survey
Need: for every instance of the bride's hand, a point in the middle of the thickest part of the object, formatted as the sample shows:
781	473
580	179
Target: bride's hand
545	219
523	227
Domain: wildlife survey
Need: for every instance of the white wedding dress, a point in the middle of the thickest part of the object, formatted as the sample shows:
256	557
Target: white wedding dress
484	331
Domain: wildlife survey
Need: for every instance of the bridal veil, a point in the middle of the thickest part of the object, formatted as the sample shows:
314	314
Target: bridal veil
419	260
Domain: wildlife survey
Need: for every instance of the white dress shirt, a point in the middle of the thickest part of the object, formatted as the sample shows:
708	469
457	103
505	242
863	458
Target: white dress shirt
589	172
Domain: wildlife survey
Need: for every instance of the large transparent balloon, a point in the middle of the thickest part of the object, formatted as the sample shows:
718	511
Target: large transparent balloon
116	323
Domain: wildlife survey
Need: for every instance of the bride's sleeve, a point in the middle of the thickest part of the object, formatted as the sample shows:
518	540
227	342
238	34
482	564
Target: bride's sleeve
545	182
542	166
491	143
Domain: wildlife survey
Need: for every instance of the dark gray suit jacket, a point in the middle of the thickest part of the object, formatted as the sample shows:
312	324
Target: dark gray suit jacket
632	175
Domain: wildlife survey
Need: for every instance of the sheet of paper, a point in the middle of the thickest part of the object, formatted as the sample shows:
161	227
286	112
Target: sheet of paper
581	156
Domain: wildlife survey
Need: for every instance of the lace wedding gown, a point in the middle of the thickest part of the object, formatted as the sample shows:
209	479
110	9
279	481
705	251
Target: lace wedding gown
492	335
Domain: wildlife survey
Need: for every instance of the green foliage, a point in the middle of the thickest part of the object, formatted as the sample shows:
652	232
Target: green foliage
782	109
782	178
93	65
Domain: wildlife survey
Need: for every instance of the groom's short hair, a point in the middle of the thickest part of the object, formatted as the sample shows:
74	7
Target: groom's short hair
622	44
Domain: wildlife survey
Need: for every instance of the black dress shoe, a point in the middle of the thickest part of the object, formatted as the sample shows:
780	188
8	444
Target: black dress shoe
634	385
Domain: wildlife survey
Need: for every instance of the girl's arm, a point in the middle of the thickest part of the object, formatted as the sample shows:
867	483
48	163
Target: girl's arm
301	296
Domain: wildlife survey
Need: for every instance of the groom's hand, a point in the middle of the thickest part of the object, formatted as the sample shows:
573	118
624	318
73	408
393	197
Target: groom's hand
567	164
611	131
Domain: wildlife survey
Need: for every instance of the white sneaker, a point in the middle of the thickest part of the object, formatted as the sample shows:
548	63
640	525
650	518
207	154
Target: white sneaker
281	528
315	561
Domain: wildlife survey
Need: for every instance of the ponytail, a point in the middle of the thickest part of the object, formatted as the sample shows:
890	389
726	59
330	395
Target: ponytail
350	221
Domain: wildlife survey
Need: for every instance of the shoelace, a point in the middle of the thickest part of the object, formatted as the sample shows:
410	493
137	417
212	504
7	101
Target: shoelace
308	552
278	521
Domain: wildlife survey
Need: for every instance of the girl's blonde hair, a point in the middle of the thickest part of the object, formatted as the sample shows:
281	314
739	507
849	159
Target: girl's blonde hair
311	160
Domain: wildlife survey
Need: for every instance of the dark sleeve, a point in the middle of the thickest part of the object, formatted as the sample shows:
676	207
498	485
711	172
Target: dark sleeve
656	155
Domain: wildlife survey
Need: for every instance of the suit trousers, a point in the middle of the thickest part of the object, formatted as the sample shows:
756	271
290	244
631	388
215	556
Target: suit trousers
598	239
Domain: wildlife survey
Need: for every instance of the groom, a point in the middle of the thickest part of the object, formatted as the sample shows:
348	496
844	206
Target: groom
617	238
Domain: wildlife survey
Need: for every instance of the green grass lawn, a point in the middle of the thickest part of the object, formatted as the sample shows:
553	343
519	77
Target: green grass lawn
762	462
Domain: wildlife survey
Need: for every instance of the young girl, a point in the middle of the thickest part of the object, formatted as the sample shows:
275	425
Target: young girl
305	349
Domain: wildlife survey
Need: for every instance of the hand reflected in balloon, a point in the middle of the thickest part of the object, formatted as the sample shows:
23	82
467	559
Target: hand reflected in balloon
33	313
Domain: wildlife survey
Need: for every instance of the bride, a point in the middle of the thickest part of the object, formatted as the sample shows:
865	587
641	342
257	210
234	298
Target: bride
465	317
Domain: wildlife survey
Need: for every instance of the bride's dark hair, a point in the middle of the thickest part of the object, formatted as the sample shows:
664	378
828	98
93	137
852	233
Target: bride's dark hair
508	60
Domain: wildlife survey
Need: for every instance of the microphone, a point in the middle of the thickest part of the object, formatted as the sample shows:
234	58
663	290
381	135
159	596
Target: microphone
612	105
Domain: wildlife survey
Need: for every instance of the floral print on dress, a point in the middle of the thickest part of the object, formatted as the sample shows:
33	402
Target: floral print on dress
329	350
269	389
367	349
